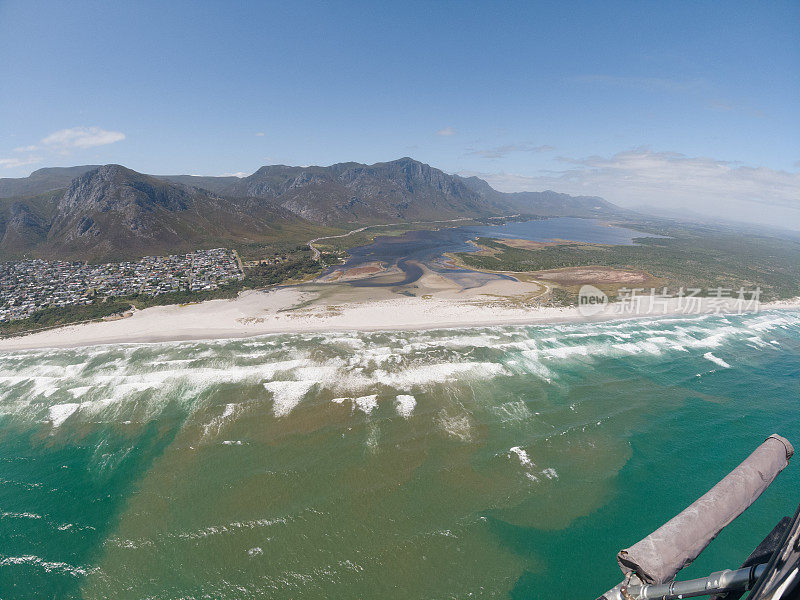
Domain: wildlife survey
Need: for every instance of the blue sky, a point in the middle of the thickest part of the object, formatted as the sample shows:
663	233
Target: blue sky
685	104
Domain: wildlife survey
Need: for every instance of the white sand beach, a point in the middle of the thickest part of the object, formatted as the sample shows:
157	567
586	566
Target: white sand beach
314	307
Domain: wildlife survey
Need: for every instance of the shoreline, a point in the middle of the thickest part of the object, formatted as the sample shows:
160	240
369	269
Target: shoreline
296	311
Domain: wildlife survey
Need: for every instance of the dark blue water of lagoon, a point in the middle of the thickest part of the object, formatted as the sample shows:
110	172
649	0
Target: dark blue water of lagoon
427	247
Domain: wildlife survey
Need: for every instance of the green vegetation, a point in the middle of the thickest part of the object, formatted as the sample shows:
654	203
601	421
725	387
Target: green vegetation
263	274
330	259
230	290
64	315
562	297
692	257
279	246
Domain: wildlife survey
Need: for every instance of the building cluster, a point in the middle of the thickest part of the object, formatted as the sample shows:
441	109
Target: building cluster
32	285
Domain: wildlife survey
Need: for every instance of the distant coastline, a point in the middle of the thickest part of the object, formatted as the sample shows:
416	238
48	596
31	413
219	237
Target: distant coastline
296	310
529	273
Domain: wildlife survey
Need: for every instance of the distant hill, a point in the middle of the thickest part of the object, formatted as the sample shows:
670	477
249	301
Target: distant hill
547	203
41	181
109	212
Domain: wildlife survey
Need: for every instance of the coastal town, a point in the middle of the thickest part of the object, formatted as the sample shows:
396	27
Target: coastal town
31	285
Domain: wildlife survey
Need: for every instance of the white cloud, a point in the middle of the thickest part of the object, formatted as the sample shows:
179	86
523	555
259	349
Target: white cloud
446	131
62	142
82	137
503	151
675	181
260	134
11	163
238	174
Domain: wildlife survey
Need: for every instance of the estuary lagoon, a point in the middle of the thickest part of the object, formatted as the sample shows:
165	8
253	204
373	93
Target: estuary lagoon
423	247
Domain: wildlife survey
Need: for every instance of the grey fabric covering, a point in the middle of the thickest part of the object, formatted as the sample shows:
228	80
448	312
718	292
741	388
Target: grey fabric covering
674	545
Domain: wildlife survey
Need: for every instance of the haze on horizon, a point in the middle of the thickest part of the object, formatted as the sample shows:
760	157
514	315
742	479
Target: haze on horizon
688	107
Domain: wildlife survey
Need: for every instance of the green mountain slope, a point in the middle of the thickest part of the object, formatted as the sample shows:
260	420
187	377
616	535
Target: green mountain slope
113	212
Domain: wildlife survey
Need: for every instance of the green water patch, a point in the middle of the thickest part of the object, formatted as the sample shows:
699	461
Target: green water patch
675	457
60	496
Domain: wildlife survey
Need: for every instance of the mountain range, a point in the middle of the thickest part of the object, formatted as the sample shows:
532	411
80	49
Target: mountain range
109	212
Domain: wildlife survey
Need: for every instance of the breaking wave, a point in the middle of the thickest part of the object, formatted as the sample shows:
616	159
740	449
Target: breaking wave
369	369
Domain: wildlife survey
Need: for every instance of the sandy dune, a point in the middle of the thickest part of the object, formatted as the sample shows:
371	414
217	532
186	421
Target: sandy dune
432	302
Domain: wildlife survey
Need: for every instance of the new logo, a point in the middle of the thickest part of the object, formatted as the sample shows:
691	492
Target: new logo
591	300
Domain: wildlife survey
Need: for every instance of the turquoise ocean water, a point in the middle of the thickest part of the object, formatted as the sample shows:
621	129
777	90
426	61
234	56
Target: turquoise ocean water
503	462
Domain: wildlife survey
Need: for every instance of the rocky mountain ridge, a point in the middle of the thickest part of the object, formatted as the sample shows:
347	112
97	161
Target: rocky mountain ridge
112	211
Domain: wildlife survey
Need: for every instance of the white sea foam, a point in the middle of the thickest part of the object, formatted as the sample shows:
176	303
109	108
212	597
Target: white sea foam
349	366
651	346
550	473
766	322
469	341
47	566
515	411
531	364
287	394
566	351
349	341
174	361
405	405
373	435
228	528
93	407
456	426
629	347
524	459
757	342
61	412
20	515
716	360
367	403
437	373
214	426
